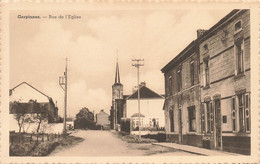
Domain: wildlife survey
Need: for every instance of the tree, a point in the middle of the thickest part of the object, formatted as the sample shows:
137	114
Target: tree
41	113
19	110
84	119
27	121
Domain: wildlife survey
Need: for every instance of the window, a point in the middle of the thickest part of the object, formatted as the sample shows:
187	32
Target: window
210	118
171	115
244	113
179	79
233	113
192	73
170	85
238	26
192	119
224	118
205	47
206	70
239	57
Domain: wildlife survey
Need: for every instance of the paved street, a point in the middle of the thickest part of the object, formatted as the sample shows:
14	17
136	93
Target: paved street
104	143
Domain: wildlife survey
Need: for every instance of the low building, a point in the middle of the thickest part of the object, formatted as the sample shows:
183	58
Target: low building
102	119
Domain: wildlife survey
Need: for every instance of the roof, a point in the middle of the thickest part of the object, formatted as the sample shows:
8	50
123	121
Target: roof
144	93
181	56
10	91
219	23
102	112
194	43
137	115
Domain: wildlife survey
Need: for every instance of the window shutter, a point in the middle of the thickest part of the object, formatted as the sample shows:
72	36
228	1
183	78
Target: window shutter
233	113
202	118
211	118
247	112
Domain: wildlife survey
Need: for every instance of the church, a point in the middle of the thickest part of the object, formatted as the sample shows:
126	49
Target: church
126	107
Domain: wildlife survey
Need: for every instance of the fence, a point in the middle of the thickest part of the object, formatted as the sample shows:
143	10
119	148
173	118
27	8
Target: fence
31	137
125	125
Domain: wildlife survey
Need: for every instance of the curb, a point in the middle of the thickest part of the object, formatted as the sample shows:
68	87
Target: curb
192	152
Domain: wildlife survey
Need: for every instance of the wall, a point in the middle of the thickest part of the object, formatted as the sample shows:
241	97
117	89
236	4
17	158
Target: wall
24	93
187	97
102	119
47	128
223	79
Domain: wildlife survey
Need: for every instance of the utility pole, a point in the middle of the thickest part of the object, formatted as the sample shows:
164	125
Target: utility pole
63	81
137	64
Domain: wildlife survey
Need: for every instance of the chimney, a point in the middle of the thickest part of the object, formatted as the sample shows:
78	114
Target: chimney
200	32
143	84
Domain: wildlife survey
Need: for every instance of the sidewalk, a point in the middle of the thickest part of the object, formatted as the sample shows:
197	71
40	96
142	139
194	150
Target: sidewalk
195	150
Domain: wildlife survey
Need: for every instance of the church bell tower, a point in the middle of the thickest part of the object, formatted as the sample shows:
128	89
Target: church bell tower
117	88
117	95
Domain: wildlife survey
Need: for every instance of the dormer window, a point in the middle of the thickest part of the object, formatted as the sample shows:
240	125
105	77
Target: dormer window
238	26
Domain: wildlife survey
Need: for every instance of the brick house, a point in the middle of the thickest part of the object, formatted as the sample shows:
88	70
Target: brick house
182	98
207	88
225	83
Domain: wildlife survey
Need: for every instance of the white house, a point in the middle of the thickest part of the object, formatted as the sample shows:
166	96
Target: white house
151	108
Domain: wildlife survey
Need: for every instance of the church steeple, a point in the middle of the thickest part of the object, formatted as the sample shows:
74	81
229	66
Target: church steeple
117	76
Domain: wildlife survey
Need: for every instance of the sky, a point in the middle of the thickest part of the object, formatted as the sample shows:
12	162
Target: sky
92	44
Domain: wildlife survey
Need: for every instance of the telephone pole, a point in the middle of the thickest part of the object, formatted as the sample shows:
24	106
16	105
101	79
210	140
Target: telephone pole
137	64
63	81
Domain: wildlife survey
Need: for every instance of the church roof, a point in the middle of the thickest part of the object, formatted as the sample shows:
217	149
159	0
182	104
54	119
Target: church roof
117	76
145	93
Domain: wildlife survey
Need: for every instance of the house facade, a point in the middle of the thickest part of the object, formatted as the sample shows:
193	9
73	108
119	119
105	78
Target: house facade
102	118
212	108
182	97
151	105
225	83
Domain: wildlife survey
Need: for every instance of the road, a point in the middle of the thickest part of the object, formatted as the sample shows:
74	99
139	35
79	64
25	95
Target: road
104	143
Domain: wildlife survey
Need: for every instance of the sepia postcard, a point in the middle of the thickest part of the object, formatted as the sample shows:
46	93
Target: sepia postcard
129	82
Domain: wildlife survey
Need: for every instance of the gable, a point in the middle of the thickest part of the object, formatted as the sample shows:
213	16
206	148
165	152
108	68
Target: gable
25	92
145	93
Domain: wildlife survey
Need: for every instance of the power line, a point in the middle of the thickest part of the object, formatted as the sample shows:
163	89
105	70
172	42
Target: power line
137	64
63	82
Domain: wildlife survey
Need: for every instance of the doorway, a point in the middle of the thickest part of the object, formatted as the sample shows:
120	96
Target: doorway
218	136
180	126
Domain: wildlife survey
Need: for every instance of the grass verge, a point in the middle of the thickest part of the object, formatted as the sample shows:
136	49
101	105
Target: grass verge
133	138
42	148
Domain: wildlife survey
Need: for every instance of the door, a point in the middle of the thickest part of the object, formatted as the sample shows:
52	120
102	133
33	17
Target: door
218	138
180	126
